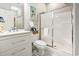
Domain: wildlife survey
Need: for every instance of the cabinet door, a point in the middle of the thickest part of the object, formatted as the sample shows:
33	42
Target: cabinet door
16	44
12	41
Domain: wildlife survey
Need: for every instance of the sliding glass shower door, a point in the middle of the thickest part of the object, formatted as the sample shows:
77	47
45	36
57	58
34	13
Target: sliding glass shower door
46	28
62	34
56	29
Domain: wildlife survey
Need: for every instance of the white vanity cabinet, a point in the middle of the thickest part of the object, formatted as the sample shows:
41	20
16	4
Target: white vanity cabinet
16	45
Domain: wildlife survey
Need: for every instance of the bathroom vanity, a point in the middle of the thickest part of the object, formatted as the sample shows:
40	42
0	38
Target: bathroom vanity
15	43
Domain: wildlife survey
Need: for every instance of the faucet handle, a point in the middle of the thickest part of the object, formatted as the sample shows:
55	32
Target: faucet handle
11	28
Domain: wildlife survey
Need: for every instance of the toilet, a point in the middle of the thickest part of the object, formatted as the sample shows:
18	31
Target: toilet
41	46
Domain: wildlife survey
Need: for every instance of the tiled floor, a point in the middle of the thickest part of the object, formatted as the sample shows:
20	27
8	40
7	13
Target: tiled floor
53	52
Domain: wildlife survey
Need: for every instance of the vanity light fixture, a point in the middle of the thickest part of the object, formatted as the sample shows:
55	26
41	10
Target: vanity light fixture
14	8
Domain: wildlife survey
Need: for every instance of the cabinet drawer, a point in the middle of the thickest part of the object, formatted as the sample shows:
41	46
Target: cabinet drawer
19	41
25	52
10	43
15	45
14	50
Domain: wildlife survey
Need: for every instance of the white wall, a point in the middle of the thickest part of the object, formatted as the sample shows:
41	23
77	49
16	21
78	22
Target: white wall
8	17
53	6
76	31
26	16
39	8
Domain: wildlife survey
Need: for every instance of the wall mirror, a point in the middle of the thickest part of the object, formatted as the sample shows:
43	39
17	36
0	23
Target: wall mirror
12	15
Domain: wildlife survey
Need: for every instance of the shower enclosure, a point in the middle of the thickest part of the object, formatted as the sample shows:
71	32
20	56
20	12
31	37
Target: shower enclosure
56	28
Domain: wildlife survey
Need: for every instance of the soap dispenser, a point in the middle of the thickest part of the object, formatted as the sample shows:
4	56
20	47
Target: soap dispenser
1	28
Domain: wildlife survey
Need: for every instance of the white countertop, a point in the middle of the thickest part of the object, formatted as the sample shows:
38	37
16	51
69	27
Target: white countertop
5	33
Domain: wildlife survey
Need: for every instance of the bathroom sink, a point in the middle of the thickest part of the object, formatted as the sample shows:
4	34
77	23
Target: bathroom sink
4	33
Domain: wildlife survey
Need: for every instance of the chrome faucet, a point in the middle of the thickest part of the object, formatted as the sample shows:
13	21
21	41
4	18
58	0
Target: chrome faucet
12	29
